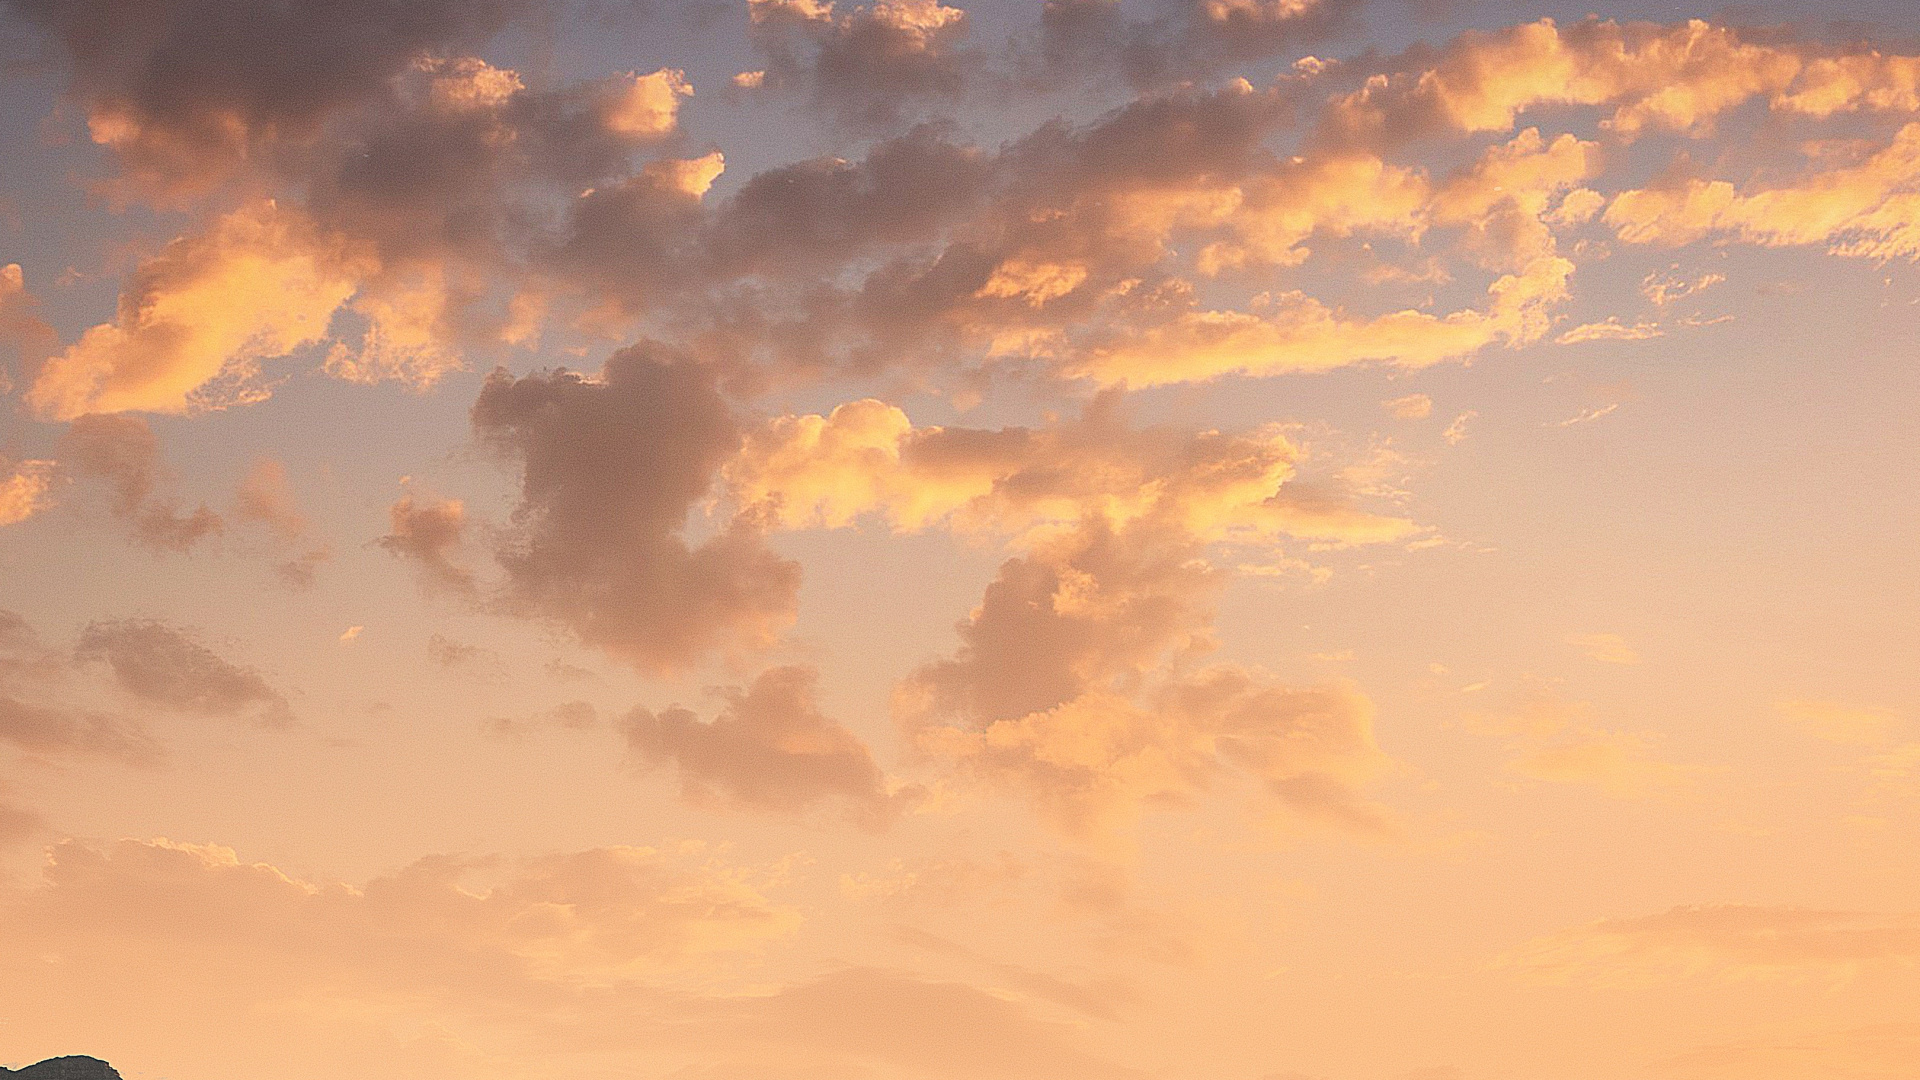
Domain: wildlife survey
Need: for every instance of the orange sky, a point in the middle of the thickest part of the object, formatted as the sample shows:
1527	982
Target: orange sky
778	540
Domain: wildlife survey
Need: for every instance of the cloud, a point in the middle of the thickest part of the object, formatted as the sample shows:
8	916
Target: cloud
1410	407
1610	329
864	64
1074	687
1867	209
430	532
1184	39
62	731
769	748
24	487
612	466
867	460
198	318
619	915
122	452
1724	942
164	665
186	91
265	497
539	966
20	324
1680	77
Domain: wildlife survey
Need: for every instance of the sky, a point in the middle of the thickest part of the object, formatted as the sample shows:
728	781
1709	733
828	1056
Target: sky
1085	540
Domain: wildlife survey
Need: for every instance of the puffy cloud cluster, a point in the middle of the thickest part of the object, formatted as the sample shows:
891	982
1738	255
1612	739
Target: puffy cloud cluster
24	489
1869	209
448	206
1680	77
862	63
612	467
1181	39
1078	686
866	458
1077	683
198	318
185	91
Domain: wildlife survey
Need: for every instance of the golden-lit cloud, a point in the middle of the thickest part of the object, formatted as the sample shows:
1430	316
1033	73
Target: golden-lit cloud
200	318
1075	687
1867	209
25	489
867	459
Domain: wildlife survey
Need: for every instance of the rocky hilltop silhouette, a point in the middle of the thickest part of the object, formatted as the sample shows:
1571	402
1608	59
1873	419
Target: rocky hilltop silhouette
64	1068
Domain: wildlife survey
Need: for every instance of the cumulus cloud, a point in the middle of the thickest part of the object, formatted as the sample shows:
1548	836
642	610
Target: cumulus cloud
1680	77
449	206
1075	687
198	319
185	91
1076	684
25	488
123	453
862	63
164	665
769	748
611	469
1868	209
1181	39
867	459
21	327
431	532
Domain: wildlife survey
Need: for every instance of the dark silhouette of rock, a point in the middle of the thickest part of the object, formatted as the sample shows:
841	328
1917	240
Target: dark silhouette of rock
65	1068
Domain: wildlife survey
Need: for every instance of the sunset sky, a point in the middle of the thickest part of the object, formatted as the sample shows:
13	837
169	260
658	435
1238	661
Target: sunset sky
1084	540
